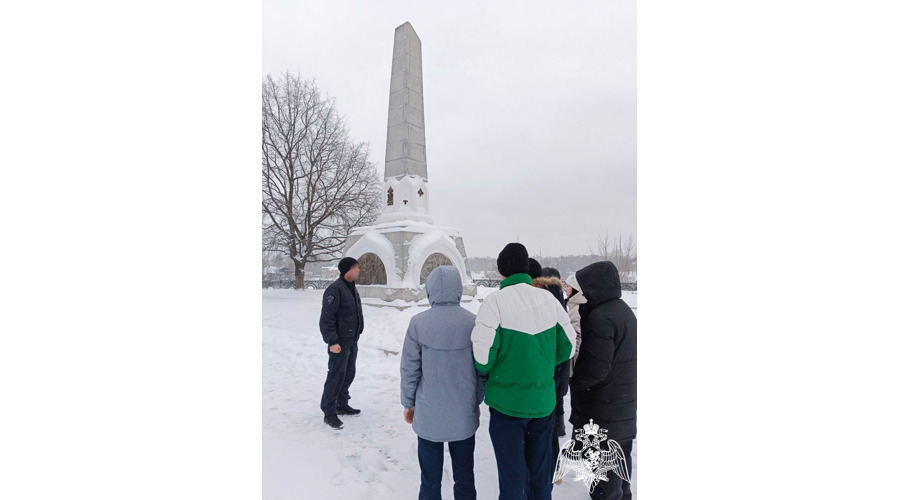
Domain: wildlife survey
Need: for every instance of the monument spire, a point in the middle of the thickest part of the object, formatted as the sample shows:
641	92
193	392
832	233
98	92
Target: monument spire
406	191
400	250
405	152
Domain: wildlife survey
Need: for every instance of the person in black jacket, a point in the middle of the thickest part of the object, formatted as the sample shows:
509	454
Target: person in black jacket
341	323
545	278
604	383
550	280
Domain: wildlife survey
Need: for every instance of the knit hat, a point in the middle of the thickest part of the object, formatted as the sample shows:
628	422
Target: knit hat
534	269
346	264
572	282
513	259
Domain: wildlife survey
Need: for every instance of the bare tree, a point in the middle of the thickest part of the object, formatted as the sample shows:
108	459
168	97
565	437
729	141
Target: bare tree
622	253
317	183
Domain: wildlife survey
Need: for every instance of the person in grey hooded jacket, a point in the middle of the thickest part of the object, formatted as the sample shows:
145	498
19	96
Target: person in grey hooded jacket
440	389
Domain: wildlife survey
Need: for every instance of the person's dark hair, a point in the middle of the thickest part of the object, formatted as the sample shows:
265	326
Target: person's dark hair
549	272
513	259
534	269
346	264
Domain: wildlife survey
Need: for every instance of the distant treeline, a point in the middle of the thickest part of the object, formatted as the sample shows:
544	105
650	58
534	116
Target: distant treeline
566	264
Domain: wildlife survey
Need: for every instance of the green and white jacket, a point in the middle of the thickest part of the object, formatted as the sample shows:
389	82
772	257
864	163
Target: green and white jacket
520	335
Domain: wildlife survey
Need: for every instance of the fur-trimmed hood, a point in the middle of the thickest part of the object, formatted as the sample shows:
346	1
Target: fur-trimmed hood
546	282
552	285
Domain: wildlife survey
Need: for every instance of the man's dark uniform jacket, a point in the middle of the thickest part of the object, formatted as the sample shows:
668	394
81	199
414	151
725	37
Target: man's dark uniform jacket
341	321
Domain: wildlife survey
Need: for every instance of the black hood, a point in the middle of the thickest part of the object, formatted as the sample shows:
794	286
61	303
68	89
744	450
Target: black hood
599	283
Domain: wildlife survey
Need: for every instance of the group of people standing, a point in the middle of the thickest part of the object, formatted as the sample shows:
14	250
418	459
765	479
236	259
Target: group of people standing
521	355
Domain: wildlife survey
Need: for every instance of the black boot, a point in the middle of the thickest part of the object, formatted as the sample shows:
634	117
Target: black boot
347	410
334	421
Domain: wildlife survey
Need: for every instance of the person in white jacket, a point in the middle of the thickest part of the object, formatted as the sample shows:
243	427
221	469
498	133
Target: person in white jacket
574	299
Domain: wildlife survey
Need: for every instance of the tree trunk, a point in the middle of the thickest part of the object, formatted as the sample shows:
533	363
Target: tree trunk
299	274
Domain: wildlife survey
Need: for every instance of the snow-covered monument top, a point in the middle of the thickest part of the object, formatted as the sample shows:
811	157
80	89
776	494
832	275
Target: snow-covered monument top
405	167
404	245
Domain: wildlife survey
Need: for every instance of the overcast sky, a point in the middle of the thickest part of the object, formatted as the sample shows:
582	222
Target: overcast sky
530	107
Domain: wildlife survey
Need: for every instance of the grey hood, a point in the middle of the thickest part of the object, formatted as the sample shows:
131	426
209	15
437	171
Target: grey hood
444	286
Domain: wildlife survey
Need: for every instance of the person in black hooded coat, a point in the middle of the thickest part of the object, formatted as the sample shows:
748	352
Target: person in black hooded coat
604	382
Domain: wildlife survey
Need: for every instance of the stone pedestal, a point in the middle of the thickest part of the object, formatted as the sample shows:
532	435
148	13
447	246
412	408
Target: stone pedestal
395	258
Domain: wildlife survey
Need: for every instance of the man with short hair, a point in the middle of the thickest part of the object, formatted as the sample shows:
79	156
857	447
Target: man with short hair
341	323
521	334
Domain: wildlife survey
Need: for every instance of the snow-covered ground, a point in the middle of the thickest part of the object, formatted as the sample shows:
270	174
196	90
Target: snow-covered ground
374	455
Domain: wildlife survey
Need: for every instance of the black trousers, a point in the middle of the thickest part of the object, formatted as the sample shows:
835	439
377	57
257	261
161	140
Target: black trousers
561	379
341	371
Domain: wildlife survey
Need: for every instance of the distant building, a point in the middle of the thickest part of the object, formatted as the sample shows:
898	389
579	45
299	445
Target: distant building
330	273
274	273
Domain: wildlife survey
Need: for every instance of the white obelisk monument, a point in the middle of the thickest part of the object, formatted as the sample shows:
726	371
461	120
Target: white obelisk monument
404	245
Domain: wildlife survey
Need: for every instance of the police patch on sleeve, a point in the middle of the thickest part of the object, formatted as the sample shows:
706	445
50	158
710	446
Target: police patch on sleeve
329	299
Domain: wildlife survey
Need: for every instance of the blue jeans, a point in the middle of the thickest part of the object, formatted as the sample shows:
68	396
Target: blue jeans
524	459
431	462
